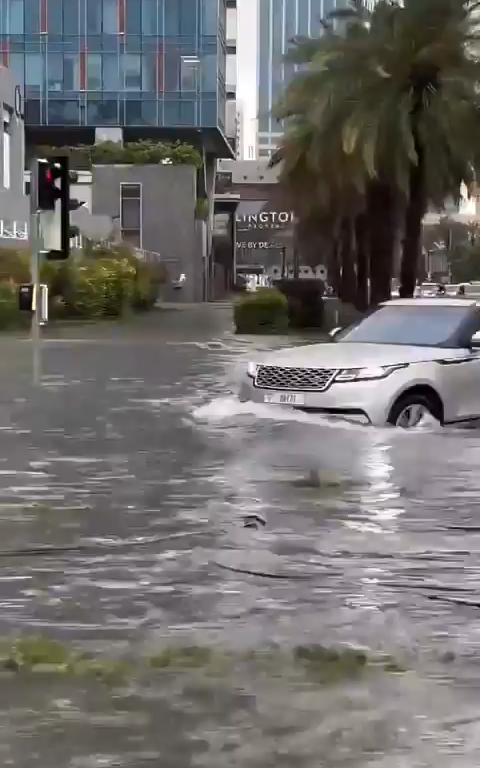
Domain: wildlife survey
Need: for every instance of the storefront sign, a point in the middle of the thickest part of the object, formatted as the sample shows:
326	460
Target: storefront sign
264	220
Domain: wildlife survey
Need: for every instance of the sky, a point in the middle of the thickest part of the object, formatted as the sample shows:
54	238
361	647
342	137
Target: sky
247	67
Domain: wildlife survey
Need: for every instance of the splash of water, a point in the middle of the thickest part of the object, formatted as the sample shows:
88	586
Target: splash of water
230	408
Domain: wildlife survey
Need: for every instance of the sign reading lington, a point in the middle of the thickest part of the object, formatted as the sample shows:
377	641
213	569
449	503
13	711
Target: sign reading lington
264	220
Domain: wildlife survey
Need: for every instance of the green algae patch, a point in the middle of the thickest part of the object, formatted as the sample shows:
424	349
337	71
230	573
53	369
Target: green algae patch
331	665
189	657
315	663
29	652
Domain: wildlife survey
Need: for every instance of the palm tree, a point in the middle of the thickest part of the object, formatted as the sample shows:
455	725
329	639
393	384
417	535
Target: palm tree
399	86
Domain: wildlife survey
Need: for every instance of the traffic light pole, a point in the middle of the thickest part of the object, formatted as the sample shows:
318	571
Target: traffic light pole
35	246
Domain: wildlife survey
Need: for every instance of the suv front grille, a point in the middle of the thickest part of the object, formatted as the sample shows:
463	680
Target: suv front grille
274	377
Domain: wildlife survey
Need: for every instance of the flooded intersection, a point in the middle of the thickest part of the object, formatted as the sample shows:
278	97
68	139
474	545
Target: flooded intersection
124	485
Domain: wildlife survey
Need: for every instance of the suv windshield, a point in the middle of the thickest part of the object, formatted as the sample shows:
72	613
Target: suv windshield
422	326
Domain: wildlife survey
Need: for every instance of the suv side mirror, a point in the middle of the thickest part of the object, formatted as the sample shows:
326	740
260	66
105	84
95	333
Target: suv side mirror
337	330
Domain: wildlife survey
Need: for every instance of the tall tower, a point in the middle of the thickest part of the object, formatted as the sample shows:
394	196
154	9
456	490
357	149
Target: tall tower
279	21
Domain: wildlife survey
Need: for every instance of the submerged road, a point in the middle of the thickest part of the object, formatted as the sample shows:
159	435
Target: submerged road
135	467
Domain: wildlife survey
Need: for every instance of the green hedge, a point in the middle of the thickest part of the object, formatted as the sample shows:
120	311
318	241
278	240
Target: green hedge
305	302
262	311
96	283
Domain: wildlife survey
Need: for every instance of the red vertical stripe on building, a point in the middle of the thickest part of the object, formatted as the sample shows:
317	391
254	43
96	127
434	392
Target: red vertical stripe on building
43	16
4	54
160	70
121	17
83	68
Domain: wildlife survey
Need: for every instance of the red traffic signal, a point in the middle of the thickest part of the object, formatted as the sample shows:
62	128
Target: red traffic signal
48	191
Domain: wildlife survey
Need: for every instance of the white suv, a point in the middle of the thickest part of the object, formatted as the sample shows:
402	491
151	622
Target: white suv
407	359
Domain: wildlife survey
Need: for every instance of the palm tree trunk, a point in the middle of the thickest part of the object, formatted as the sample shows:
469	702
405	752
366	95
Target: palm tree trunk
381	216
348	280
412	242
361	248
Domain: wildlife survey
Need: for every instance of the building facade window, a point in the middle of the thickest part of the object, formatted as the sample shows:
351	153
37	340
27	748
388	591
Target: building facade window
189	70
131	213
93	62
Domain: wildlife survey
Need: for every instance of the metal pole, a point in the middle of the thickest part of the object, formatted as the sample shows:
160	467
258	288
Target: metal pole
35	277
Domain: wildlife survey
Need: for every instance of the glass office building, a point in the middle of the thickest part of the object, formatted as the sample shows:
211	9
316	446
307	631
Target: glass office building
279	21
158	64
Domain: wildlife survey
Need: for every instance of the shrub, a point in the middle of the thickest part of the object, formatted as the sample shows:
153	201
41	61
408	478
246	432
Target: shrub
9	312
305	303
98	282
262	311
146	152
85	294
146	286
15	264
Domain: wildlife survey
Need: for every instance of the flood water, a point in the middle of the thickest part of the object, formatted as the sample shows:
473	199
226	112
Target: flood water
135	464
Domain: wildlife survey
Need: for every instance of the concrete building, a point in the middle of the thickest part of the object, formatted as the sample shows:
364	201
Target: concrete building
13	202
121	69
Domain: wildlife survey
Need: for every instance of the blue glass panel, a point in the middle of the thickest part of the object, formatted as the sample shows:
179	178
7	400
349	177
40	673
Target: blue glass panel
150	17
32	16
110	16
171	67
71	17
55	72
17	63
209	113
94	17
141	112
187	113
149	73
71	72
209	14
105	112
33	71
171	112
55	17
132	72
209	72
94	72
14	24
61	112
32	112
111	74
133	17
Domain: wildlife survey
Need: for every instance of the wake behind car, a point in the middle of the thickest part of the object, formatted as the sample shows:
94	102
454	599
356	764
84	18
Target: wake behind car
408	359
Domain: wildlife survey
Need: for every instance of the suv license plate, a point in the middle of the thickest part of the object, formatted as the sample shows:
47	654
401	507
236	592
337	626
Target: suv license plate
284	398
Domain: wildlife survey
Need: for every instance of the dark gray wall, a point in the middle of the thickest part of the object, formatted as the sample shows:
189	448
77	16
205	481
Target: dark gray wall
168	215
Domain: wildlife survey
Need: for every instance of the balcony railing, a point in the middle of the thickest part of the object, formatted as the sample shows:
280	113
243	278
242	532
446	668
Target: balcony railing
13	230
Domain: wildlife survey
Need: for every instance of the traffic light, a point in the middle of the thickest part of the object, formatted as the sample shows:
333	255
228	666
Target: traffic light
54	205
48	191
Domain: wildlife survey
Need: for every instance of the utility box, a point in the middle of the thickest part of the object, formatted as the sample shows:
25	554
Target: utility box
27	300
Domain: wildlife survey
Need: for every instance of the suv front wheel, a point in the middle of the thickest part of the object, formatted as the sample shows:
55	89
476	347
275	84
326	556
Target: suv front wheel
411	409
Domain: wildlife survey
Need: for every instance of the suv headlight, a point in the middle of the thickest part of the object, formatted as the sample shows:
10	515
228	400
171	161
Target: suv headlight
367	374
252	370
